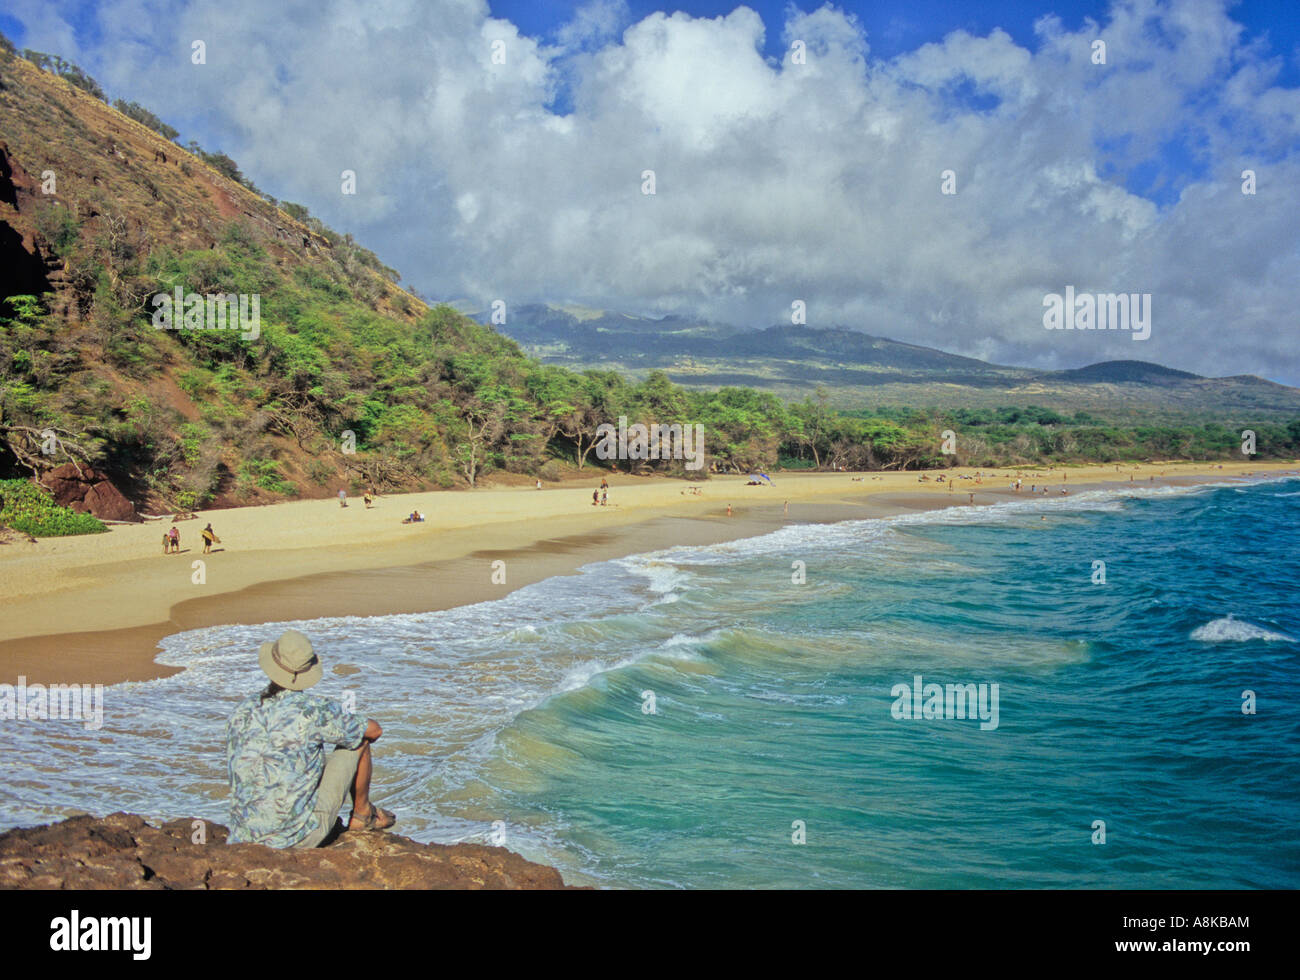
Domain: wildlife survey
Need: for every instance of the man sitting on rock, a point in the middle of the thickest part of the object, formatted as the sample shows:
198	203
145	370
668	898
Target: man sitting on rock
283	791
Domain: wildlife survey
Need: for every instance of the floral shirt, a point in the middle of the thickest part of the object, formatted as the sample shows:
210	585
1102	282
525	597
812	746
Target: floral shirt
275	755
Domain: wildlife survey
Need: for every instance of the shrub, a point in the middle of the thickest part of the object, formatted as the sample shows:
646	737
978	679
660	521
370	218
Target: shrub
26	507
58	226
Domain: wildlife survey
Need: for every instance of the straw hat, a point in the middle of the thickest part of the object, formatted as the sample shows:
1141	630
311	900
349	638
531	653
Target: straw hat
289	661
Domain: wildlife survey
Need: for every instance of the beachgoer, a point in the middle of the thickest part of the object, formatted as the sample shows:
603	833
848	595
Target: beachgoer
787	508
209	538
604	483
368	499
728	510
175	535
539	484
343	498
167	543
283	791
604	497
595	497
972	498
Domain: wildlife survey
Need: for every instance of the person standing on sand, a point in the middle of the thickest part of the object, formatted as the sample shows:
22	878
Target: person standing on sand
787	508
283	792
343	497
604	497
175	535
595	497
368	499
209	538
728	510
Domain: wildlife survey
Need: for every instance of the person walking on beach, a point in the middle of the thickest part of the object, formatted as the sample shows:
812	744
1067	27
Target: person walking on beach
604	497
595	497
368	499
343	497
283	790
209	538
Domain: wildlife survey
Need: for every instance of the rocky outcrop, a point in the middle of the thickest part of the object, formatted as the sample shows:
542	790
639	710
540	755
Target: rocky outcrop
88	491
123	851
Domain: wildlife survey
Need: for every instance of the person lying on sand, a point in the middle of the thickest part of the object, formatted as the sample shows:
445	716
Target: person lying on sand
283	792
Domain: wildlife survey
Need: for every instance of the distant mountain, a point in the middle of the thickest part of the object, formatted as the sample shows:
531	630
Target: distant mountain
1138	372
861	369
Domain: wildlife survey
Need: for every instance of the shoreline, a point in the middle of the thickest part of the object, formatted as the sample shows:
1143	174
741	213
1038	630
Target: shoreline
127	598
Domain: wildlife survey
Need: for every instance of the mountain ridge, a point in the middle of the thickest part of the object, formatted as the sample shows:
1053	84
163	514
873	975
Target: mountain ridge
778	358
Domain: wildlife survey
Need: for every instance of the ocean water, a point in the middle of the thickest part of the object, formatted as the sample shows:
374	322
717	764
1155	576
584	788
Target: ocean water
528	721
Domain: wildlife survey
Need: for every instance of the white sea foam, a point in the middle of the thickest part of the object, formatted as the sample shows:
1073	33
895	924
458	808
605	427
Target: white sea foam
1233	630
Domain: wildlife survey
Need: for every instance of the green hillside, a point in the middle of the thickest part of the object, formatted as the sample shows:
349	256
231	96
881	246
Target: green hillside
349	379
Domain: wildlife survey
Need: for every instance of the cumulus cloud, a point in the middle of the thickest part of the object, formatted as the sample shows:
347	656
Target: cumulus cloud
775	180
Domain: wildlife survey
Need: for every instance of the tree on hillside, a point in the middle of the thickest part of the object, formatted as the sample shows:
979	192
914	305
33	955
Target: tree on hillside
140	114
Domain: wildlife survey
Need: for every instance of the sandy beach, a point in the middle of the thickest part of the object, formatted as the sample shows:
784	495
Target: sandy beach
91	609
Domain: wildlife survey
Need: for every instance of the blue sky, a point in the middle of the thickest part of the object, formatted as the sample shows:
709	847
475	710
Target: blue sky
776	181
895	26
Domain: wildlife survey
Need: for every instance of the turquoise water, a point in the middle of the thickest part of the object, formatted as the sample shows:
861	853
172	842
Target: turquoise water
525	720
1119	702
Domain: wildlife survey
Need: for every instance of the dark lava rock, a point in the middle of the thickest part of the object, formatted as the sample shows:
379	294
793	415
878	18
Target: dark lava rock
123	851
88	491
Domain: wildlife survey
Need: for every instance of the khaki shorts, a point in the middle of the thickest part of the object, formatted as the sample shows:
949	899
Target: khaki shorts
335	784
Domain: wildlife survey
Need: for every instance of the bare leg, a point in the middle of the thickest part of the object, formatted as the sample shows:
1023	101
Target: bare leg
361	787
